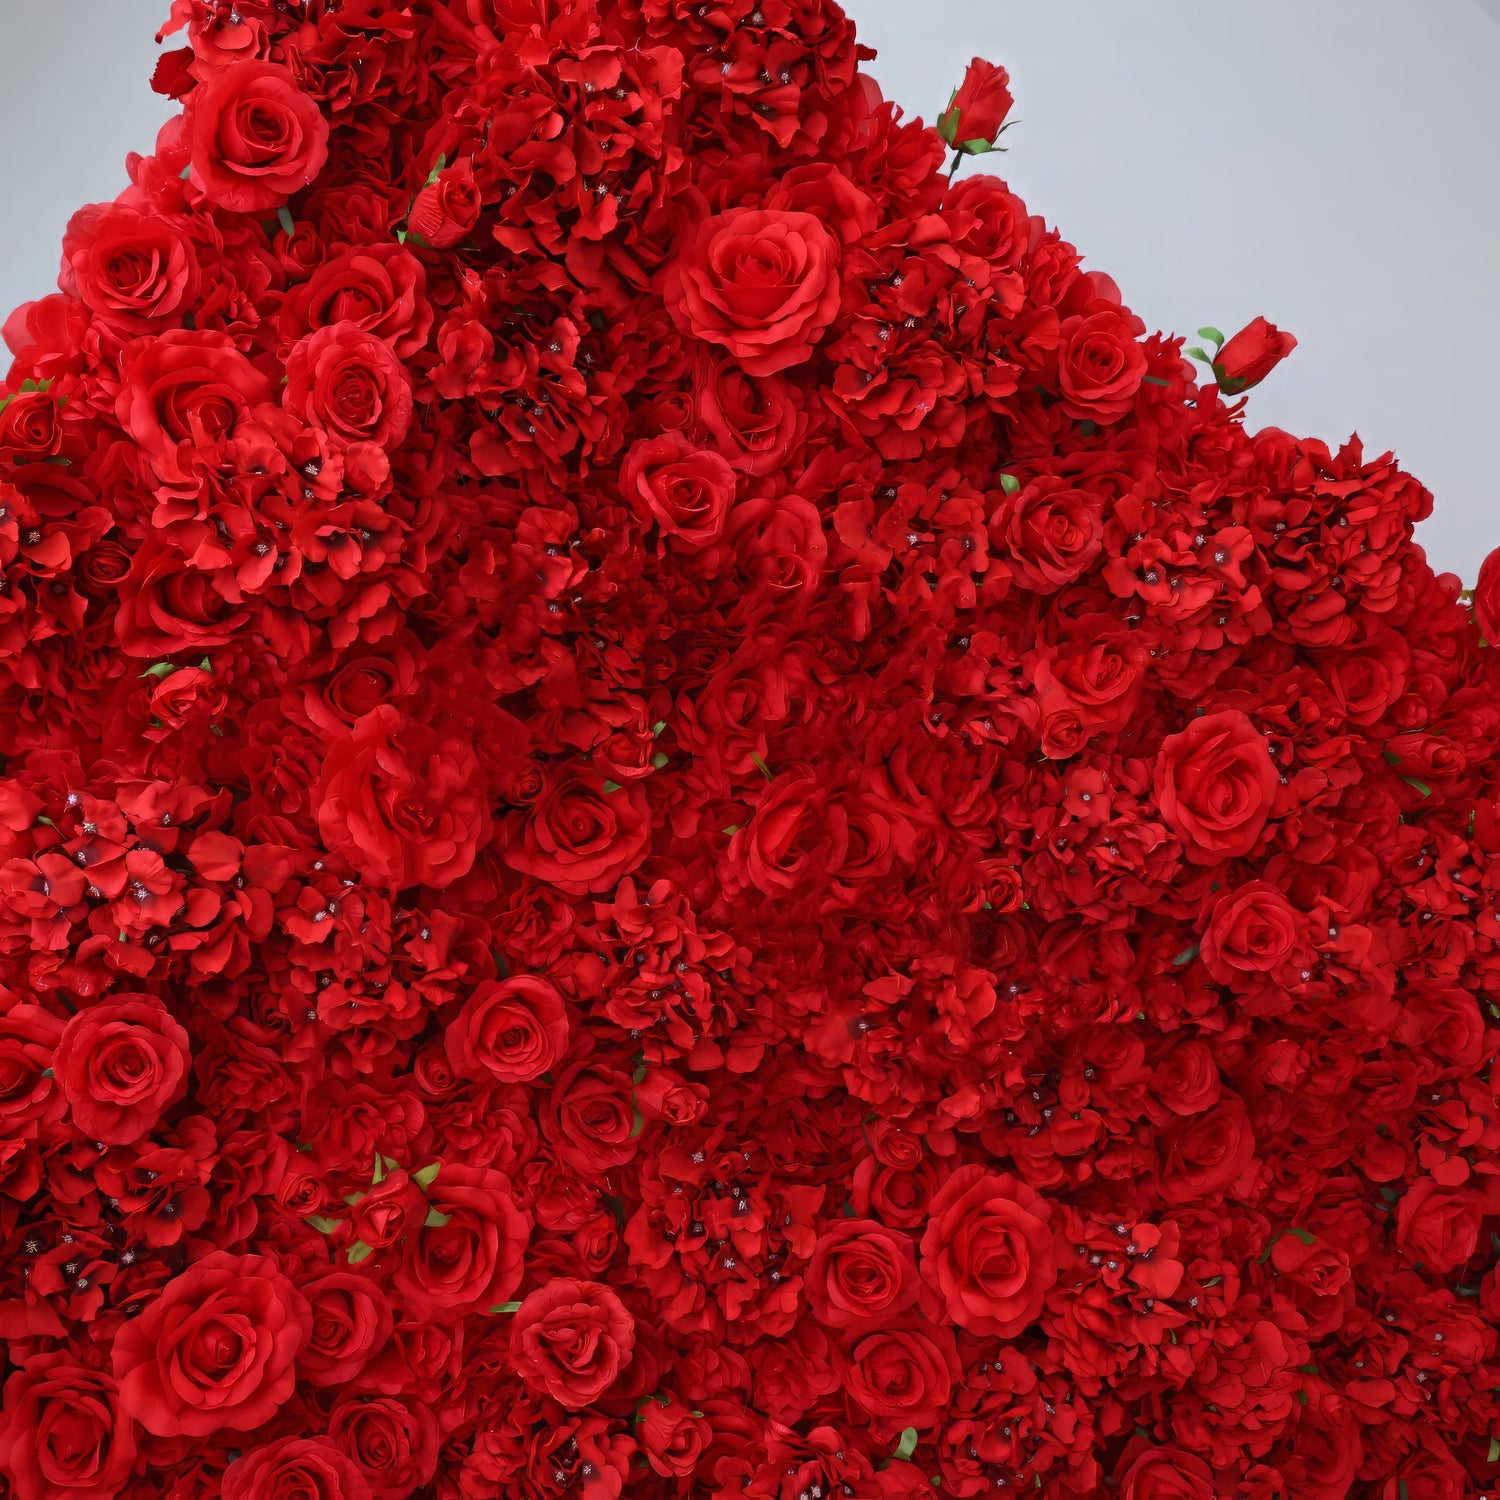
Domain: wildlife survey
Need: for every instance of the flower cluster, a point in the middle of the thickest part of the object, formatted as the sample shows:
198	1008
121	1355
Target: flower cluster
676	820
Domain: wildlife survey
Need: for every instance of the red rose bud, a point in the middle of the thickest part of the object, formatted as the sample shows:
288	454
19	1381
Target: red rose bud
1251	355
447	208
976	113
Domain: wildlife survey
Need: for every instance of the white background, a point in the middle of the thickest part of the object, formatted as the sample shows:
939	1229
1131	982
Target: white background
1332	164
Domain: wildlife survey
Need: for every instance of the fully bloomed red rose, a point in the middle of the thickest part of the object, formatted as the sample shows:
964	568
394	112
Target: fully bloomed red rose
472	1259
1100	366
571	1339
401	802
181	393
683	491
1150	1473
350	1322
987	1253
394	1442
511	1030
256	138
902	1376
295	1468
63	1435
1439	1226
28	1084
1204	1155
121	1064
1251	930
350	385
1215	783
1251	355
137	273
380	289
860	1273
1048	532
763	283
580	836
215	1348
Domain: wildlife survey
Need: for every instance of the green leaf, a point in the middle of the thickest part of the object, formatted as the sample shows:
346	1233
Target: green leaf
908	1444
378	1176
1301	1398
1185	957
976	147
400	236
639	1126
359	1251
417	239
287	222
639	1076
322	1223
1200	354
436	1218
660	759
1009	483
186	172
160	669
1308	1369
1494	1453
657	727
1212	333
504	1307
1420	786
424	1179
732	828
1303	1235
205	665
762	767
44	821
611	786
1154	380
49	1072
352	1198
1213	1281
436	171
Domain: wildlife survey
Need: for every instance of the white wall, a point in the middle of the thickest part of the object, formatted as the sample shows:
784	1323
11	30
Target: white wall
1332	164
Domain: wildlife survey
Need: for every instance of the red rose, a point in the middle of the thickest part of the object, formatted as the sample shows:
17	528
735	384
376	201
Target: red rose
903	1377
1438	1226
978	107
591	1120
752	420
1487	598
350	1321
579	837
861	1272
685	492
1099	366
31	425
350	385
987	1252
215	1348
137	273
1252	930
62	1433
571	1339
511	1030
1205	1154
295	1468
255	137
672	1437
472	1259
446	208
761	282
401	802
28	1086
166	606
379	289
180	394
394	1442
1214	785
122	1063
1048	533
1251	355
1164	1474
